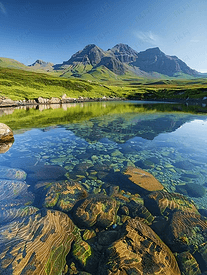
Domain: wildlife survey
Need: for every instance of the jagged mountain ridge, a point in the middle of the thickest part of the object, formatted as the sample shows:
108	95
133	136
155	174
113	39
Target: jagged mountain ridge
122	59
154	60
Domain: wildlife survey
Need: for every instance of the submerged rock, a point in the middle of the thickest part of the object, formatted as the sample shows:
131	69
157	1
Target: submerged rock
37	244
138	251
46	172
143	179
188	264
96	210
6	133
64	195
191	189
14	193
187	231
12	174
163	202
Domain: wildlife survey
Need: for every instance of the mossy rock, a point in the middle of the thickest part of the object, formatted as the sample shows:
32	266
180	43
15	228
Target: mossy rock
134	210
163	202
64	195
188	264
37	244
96	210
186	231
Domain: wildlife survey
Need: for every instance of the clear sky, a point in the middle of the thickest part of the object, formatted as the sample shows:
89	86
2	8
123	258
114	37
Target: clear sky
53	30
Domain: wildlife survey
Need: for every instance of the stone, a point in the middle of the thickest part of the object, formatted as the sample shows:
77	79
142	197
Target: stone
186	231
4	147
12	174
64	195
188	264
6	134
143	179
46	172
14	193
54	100
138	251
191	189
37	244
163	202
96	210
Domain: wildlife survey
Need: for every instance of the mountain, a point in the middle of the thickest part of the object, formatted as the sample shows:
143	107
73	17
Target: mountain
90	55
154	60
123	60
118	63
42	65
124	53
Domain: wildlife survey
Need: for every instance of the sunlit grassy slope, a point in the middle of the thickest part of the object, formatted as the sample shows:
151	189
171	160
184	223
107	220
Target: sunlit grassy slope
20	84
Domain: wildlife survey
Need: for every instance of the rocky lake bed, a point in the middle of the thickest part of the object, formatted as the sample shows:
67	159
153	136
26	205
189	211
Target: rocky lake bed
116	194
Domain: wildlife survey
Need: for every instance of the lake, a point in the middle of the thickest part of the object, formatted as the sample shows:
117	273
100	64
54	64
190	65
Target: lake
62	156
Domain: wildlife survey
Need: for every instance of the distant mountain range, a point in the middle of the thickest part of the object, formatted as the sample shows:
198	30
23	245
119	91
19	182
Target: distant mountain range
120	62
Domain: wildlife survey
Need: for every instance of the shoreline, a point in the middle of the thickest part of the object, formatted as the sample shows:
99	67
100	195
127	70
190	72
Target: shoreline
6	102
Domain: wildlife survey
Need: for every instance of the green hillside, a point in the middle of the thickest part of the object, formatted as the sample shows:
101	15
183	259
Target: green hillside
18	84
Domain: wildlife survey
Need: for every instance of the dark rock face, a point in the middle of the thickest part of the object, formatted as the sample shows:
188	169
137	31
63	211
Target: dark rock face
90	55
154	60
112	64
124	53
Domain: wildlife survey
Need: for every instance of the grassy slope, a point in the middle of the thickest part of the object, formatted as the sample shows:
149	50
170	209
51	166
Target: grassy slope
20	84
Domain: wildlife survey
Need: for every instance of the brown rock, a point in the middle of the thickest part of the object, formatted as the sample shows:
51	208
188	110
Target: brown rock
143	179
4	147
162	202
64	195
139	251
186	231
6	134
37	244
96	210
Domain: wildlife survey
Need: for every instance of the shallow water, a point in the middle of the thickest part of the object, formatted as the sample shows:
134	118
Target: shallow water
168	141
170	145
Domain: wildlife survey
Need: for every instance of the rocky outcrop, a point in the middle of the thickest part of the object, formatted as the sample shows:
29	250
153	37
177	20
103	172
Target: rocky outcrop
113	64
96	210
162	202
37	245
90	55
6	134
124	53
138	251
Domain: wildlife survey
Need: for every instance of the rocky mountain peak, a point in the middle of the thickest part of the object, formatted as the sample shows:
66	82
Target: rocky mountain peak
124	53
90	55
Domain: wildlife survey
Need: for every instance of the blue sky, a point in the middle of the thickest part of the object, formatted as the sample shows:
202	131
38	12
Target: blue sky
54	30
